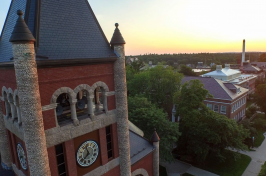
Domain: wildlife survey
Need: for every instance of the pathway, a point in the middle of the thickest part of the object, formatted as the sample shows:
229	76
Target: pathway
178	167
258	158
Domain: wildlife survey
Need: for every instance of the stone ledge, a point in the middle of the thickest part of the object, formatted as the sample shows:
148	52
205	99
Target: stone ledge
110	93
49	107
105	168
59	134
14	128
17	171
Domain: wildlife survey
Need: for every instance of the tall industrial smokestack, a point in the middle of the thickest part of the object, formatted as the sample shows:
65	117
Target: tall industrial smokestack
243	53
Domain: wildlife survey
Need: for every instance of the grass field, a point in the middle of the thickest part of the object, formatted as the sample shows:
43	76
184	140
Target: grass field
263	170
259	139
228	168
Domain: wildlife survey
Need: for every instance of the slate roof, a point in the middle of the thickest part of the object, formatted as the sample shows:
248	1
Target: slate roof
250	68
223	72
63	30
139	147
261	65
219	89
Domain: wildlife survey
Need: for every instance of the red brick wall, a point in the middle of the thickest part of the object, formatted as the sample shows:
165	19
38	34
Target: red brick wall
71	158
8	79
115	140
145	163
52	161
111	102
51	79
49	119
103	146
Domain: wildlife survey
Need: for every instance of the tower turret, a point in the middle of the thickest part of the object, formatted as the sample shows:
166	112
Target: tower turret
29	97
117	44
155	140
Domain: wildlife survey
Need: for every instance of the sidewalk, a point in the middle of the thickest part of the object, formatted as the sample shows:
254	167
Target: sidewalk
178	167
258	158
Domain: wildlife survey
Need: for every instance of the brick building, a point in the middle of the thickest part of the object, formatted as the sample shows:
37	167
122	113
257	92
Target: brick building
228	99
63	108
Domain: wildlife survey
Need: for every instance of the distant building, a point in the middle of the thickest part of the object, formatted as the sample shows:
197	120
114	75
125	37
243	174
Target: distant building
233	76
228	99
131	60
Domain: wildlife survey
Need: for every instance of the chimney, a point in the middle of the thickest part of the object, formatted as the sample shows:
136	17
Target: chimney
243	53
227	66
218	67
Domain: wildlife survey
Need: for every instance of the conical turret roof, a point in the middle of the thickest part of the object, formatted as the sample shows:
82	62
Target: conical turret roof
21	31
117	37
155	137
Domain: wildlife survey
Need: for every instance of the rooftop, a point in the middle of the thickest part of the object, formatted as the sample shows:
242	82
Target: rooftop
217	88
139	147
222	72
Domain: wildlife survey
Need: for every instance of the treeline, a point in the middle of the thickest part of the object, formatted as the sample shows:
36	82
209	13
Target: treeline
194	58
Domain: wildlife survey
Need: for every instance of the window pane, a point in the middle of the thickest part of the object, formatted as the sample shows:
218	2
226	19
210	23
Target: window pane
60	159
61	169
108	130
59	149
110	154
108	138
109	146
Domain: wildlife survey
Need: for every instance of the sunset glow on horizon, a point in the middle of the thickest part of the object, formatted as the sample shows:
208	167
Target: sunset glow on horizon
181	26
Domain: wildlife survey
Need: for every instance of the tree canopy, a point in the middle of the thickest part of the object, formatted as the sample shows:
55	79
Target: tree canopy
205	132
158	85
260	97
147	117
187	71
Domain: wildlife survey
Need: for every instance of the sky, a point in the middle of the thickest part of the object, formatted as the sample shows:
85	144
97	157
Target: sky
180	26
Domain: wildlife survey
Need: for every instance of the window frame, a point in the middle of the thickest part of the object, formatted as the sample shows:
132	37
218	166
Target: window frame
217	107
222	108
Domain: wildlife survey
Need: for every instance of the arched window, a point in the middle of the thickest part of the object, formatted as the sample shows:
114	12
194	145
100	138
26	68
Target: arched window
16	102
12	105
100	101
82	105
63	109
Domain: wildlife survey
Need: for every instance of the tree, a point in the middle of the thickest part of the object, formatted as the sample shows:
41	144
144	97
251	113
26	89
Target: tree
158	85
205	132
147	117
187	71
260	97
262	58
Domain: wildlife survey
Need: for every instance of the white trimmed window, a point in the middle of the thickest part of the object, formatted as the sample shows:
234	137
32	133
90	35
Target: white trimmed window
215	108
209	105
223	109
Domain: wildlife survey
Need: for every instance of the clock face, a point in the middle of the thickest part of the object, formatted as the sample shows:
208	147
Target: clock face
87	153
22	156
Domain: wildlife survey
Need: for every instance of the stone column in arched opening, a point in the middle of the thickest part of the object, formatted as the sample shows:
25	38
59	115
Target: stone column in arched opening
4	147
16	103
117	44
73	111
13	107
7	105
30	101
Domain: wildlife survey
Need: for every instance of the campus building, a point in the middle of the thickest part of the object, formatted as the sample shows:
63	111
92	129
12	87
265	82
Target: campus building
233	76
228	99
63	106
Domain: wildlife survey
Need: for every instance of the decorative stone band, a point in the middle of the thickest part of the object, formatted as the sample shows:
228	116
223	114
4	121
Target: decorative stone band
17	171
110	93
49	107
59	134
5	166
105	168
14	128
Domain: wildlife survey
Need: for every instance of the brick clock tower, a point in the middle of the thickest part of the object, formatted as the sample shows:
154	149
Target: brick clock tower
63	108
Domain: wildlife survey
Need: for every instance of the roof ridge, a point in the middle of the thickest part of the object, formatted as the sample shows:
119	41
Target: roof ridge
223	88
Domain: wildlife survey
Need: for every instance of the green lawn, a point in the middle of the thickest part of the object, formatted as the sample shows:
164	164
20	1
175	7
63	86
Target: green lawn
162	171
263	170
260	138
228	168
